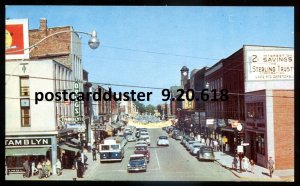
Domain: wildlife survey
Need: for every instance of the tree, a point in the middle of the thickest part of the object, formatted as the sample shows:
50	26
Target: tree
150	109
140	107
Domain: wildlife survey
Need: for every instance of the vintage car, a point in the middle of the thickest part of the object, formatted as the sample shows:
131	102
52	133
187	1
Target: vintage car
206	153
137	162
163	140
142	149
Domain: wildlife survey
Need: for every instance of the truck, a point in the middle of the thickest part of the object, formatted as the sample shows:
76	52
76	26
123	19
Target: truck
112	149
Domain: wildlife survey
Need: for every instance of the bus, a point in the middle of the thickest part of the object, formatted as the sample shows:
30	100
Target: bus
112	149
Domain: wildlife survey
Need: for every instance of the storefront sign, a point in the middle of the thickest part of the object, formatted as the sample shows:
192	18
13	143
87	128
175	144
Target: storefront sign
270	65
28	142
76	102
16	39
240	149
72	119
15	169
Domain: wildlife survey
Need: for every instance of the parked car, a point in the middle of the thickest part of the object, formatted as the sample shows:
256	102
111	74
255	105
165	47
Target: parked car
195	148
163	140
189	144
137	162
179	136
206	153
184	137
164	128
186	143
174	133
142	149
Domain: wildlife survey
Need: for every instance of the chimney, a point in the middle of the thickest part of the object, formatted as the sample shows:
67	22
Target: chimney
43	24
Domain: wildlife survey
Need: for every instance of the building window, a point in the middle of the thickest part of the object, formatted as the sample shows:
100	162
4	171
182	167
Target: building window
24	86
260	144
25	112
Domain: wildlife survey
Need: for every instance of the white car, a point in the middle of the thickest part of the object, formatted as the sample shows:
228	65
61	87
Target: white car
141	142
131	138
163	140
145	138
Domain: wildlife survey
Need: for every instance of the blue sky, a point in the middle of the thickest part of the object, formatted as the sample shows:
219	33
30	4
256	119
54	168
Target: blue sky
130	34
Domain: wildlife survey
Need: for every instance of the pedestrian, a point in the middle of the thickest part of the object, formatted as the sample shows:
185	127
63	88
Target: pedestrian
58	167
26	167
234	162
207	142
6	173
246	163
33	168
271	166
203	140
39	167
252	165
79	168
94	154
49	167
216	144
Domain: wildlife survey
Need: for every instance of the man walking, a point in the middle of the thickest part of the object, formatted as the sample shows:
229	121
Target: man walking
271	166
94	154
26	167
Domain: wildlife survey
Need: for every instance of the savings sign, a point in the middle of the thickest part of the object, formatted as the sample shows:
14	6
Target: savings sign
16	39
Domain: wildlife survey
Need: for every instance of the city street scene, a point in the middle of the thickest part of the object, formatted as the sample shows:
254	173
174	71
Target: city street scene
142	93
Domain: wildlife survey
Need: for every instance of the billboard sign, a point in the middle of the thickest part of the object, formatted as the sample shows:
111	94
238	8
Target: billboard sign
264	65
16	39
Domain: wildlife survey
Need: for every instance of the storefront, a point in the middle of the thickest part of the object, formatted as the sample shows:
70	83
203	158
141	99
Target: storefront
33	148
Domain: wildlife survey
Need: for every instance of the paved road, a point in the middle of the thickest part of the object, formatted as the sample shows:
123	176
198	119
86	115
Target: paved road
171	163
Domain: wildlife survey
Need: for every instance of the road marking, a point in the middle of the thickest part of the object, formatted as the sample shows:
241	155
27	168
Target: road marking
157	160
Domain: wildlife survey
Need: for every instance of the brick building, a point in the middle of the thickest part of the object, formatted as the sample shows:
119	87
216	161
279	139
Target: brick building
260	84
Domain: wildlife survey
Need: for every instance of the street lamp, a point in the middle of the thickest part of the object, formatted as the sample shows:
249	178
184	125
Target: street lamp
93	41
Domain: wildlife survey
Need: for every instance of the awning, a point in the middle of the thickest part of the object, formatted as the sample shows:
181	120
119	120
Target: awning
227	129
26	151
75	140
66	147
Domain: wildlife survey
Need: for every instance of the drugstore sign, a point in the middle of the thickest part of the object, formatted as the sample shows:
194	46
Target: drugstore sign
16	39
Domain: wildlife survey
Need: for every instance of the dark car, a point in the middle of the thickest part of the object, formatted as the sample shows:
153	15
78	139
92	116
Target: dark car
142	149
206	153
137	162
164	128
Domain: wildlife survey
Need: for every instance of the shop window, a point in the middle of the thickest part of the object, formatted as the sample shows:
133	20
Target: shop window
24	86
260	144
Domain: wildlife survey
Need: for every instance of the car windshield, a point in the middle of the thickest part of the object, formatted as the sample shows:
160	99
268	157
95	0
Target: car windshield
115	147
141	148
163	137
136	158
207	149
144	137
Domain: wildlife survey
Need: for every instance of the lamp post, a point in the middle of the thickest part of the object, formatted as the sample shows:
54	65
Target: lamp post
93	44
93	41
239	128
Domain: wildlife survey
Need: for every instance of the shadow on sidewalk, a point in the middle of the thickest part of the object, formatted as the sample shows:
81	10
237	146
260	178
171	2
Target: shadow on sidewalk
265	173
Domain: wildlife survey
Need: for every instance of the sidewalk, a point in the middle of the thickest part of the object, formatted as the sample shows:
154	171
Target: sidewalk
67	174
260	173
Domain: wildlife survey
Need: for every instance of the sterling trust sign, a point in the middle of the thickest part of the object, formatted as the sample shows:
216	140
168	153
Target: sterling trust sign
270	65
28	142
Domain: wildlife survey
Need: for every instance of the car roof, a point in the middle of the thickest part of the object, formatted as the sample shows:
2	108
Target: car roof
137	155
141	145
